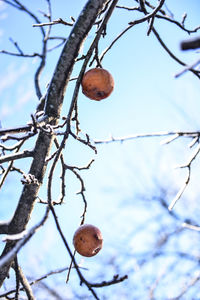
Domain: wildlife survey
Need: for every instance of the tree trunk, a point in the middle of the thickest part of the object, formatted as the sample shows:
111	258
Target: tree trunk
53	105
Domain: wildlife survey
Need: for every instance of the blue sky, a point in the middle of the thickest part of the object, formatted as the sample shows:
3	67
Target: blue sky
147	98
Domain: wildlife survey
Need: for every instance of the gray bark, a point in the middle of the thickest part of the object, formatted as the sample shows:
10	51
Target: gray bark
54	100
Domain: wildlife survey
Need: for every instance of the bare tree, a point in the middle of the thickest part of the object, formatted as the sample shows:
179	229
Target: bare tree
49	131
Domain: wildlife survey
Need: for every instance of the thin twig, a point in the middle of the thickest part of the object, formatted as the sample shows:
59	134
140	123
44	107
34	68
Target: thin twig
58	21
188	134
181	191
26	285
16	268
190	226
173	56
33	282
116	279
131	24
188	68
20	54
12	253
187	180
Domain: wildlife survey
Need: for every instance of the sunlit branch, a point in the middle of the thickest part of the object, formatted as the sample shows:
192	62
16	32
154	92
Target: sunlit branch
15	130
116	279
188	68
81	192
174	134
17	246
6	172
170	139
19	155
70	268
58	21
150	15
182	189
171	54
131	24
187	180
26	285
38	280
62	177
94	44
190	226
86	142
17	277
20	54
180	25
128	8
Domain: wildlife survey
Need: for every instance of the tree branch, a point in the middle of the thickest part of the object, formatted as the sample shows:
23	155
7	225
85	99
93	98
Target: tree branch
190	44
19	155
53	105
173	134
26	285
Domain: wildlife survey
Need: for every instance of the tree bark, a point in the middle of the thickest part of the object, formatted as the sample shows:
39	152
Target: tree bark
54	101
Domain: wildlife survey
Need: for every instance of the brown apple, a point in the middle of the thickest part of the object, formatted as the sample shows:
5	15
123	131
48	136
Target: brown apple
88	240
97	84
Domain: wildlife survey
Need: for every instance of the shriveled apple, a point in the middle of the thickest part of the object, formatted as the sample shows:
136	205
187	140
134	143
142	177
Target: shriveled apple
97	84
88	240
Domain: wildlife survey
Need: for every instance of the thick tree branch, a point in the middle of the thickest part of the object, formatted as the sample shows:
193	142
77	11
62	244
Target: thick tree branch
190	44
19	155
54	100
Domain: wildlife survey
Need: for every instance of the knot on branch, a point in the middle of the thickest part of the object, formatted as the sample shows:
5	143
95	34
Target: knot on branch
29	179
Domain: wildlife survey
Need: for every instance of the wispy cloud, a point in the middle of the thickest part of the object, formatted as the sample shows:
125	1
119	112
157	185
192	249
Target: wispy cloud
25	97
17	93
2	6
3	14
11	75
5	111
